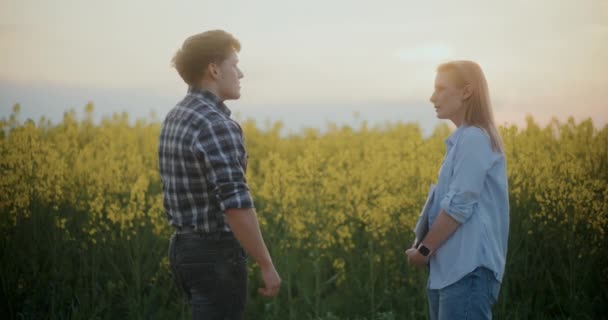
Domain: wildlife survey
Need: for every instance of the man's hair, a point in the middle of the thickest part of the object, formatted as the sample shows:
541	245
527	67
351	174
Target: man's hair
200	50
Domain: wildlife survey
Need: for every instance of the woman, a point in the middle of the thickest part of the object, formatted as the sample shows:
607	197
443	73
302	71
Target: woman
466	244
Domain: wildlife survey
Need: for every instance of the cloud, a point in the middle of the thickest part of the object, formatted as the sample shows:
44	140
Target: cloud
428	52
596	29
11	28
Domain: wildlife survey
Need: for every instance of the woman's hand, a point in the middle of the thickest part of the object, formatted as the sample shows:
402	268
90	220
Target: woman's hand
415	258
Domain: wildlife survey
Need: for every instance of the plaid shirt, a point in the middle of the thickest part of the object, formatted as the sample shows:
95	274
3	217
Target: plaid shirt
202	162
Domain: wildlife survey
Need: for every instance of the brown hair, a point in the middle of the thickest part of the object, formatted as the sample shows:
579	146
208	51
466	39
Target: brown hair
198	51
478	106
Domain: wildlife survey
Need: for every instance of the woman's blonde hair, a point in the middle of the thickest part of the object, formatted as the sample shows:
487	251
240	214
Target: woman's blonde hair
478	106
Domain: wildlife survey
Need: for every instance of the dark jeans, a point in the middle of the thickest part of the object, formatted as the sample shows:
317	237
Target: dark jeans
212	274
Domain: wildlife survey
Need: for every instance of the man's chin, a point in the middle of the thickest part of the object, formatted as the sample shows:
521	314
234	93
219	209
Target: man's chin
232	97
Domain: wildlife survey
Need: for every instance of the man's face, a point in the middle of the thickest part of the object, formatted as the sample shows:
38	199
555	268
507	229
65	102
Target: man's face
228	78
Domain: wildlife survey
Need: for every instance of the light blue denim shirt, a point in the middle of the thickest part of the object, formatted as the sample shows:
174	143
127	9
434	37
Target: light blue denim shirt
472	188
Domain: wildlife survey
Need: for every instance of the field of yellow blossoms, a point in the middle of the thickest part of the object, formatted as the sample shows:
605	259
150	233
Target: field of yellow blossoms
84	235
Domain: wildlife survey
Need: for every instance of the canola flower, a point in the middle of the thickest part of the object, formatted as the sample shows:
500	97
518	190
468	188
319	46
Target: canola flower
313	191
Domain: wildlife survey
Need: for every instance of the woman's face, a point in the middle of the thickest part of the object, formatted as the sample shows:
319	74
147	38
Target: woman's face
448	98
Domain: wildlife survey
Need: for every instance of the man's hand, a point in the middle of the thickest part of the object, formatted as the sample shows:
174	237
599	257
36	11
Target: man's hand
415	258
272	281
244	225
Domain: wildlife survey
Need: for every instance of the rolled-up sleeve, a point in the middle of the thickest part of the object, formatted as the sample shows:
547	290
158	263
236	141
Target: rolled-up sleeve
473	157
222	149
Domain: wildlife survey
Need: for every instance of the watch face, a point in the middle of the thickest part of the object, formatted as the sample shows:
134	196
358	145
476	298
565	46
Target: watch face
423	250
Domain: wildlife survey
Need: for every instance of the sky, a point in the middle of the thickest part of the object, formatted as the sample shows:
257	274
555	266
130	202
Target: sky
308	63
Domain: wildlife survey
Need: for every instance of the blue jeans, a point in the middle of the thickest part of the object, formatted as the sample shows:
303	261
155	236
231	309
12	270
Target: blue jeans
212	274
469	298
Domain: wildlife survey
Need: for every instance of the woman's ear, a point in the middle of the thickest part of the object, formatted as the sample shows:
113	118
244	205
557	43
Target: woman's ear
467	91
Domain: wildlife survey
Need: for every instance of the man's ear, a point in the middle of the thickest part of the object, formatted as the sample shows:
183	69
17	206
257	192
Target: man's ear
467	91
213	71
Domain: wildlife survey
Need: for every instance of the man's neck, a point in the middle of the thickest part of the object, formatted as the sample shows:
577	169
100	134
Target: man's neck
211	87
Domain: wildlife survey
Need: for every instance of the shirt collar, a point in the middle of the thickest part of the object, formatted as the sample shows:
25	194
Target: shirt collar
209	96
451	140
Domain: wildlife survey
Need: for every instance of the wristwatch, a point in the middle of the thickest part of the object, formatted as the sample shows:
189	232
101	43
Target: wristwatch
423	250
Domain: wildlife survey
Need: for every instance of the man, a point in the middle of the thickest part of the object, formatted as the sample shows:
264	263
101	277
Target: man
202	161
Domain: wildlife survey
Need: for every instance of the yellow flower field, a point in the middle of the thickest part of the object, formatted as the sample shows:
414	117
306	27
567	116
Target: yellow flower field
337	208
